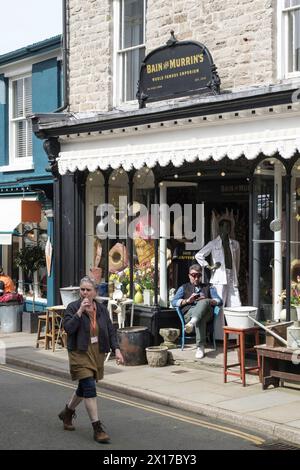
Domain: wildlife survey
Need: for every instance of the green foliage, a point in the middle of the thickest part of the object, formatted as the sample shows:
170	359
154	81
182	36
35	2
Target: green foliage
30	259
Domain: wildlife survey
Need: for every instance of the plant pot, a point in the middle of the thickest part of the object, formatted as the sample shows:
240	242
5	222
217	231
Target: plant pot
294	313
157	356
148	296
69	294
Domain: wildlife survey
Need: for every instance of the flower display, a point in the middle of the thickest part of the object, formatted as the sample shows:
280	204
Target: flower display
295	292
121	277
145	276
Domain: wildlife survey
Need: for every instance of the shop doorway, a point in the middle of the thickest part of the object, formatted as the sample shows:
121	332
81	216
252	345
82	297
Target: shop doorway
229	199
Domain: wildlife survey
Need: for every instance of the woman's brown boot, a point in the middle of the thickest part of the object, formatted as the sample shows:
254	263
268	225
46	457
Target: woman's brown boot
99	434
66	416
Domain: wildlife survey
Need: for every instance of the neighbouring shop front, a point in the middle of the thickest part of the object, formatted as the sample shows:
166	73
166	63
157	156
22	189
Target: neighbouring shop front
218	155
25	229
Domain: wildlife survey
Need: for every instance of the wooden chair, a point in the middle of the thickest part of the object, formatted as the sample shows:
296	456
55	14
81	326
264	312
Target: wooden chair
41	330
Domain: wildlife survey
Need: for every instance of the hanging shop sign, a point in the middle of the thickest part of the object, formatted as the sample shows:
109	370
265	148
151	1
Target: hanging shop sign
179	68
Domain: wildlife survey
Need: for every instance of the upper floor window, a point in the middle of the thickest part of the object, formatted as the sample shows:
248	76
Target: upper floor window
290	37
20	127
129	47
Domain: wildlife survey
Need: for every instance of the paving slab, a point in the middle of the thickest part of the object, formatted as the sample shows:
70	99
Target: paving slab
259	401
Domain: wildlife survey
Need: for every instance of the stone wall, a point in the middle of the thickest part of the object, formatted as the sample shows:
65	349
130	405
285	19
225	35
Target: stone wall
90	55
238	33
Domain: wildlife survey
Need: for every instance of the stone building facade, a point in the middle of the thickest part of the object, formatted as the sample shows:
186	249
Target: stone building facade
233	154
239	34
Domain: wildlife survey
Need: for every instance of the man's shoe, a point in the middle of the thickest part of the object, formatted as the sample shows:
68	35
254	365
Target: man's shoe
189	327
200	352
99	434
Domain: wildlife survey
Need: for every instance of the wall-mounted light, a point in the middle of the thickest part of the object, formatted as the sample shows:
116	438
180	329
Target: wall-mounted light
199	173
175	176
223	173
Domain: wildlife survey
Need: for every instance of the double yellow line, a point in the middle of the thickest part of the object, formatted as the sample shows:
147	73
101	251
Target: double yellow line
179	417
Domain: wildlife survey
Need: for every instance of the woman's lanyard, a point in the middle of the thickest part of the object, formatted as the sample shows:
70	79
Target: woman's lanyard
93	321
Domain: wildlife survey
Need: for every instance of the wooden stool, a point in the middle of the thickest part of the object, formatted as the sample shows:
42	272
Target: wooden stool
54	330
241	345
42	322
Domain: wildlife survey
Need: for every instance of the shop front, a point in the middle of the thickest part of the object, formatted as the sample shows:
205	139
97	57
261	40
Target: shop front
138	193
26	226
243	166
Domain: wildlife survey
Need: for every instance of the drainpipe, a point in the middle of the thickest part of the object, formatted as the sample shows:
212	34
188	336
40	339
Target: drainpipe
65	24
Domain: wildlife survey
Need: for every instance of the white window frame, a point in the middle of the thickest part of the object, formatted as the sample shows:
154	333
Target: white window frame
282	41
118	83
14	161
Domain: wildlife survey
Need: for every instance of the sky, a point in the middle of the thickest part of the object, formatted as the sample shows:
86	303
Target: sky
25	22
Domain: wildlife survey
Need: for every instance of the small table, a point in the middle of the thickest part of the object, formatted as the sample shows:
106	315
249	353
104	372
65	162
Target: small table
278	364
241	346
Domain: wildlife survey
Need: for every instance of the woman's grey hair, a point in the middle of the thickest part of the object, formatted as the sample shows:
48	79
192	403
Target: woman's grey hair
89	280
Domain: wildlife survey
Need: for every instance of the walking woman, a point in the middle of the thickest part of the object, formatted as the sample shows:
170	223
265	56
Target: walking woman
90	334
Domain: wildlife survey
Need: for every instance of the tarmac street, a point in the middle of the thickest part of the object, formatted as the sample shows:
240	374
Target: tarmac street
189	385
33	400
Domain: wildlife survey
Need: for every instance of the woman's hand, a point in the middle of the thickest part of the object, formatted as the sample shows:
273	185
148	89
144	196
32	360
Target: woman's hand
85	306
119	357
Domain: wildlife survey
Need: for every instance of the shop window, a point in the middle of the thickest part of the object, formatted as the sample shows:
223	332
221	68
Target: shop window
144	232
95	246
118	255
29	248
295	235
269	244
289	38
20	127
129	21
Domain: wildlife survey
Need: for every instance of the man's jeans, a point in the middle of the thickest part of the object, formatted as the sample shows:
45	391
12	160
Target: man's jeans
203	313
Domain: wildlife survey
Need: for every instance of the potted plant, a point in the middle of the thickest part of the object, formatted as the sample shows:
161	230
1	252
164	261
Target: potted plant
295	301
146	278
30	258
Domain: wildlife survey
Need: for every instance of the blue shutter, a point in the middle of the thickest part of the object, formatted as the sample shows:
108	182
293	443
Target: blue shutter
3	120
45	99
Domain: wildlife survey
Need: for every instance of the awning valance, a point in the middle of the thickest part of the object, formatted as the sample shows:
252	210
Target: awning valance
216	142
11	217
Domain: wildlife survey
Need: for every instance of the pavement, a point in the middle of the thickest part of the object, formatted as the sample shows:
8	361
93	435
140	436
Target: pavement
186	384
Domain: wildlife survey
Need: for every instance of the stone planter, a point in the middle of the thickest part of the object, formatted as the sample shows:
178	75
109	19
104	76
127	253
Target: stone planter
169	335
157	356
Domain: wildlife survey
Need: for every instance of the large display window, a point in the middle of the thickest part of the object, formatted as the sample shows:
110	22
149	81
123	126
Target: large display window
295	236
269	240
95	247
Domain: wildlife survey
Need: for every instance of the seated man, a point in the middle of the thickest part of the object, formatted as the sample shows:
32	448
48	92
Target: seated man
196	300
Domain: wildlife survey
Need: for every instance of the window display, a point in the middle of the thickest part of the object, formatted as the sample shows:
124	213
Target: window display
269	237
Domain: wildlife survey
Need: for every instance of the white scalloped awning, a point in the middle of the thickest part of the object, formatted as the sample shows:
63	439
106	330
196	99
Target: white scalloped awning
220	143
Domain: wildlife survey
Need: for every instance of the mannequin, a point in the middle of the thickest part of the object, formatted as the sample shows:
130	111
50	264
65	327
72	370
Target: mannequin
225	253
